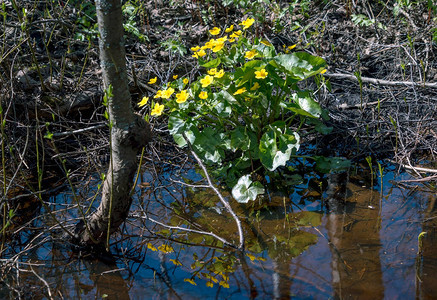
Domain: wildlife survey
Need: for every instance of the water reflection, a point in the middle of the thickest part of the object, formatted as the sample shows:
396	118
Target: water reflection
364	247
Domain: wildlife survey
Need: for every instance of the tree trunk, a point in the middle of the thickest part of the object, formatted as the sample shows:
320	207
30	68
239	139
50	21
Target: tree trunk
129	133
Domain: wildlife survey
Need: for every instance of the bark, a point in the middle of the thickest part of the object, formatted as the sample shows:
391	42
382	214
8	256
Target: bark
128	135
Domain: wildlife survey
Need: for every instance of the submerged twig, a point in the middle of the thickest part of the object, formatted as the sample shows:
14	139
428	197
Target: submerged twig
220	196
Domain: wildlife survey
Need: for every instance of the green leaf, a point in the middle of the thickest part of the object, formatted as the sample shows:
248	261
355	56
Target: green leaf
239	139
274	155
307	103
246	190
300	64
212	63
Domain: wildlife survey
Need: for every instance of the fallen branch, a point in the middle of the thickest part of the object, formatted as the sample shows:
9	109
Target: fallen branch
222	199
381	81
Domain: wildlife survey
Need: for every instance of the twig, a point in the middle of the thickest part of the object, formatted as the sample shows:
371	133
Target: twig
66	133
43	280
222	199
417	169
381	81
189	230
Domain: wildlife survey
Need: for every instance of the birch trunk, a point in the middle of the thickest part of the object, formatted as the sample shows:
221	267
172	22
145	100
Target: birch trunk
128	135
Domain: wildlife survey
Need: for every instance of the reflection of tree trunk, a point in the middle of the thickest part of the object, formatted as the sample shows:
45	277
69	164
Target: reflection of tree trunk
282	280
128	134
426	266
107	280
356	266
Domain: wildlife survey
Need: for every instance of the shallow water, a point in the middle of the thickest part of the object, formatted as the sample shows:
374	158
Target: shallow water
366	249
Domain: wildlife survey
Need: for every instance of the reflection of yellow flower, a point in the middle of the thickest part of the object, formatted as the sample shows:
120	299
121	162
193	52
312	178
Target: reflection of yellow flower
255	86
158	94
157	111
209	284
215	31
165	248
212	71
176	262
182	96
203	95
152	80
185	80
219	74
167	93
194	49
251	54
224	284
247	23
261	74
143	101
252	257
229	29
240	91
207	80
175	77
225	277
151	247
190	281
265	42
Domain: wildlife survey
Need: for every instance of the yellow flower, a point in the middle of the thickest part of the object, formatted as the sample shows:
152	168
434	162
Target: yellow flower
222	39
201	53
190	281
255	86
152	80
240	91
291	47
209	44
182	96
207	80
215	31
210	284
157	111
235	34
143	101
218	47
195	49
224	284
176	262
219	74
231	40
323	71
151	247
265	42
229	29
261	74
165	248
212	71
175	77
203	95
158	94
247	23
167	93
185	80
251	54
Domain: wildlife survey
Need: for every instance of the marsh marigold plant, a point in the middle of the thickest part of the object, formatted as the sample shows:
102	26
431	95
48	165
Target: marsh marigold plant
242	116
